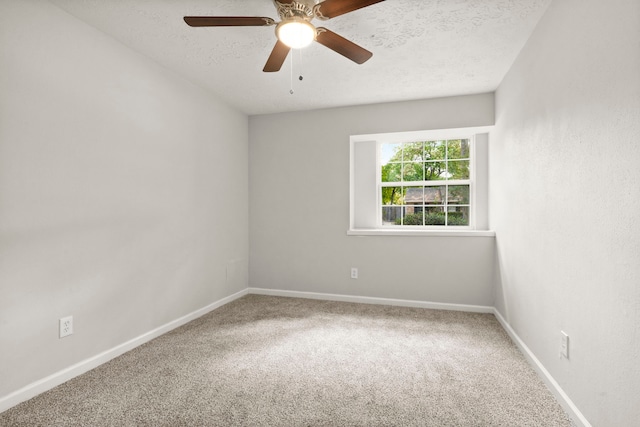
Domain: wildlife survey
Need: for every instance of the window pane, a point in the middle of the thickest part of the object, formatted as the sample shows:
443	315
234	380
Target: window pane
413	196
458	169
458	149
458	195
434	150
413	215
391	195
434	215
391	172
415	177
391	215
412	172
390	153
412	152
434	195
435	171
458	215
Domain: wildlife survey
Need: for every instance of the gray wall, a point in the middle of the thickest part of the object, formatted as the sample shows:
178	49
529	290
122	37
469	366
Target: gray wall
299	209
123	193
564	202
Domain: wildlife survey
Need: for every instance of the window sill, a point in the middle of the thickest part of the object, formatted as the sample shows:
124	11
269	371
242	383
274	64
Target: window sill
421	233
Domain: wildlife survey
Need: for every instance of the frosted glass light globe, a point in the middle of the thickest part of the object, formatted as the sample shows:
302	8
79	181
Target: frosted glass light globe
296	33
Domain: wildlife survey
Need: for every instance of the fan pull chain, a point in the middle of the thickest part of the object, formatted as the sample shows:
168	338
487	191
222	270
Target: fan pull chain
300	61
291	69
291	75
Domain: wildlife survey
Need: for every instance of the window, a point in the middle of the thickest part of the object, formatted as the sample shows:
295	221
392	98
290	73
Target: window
420	183
425	183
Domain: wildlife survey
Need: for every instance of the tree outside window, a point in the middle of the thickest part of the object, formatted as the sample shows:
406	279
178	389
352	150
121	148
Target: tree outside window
425	183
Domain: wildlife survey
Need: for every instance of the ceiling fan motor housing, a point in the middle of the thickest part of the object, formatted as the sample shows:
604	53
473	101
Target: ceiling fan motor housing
298	9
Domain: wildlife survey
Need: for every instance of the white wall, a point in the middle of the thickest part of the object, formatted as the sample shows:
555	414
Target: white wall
123	193
564	202
299	209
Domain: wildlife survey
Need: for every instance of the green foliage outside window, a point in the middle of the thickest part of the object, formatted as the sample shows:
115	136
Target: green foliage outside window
455	218
412	165
427	161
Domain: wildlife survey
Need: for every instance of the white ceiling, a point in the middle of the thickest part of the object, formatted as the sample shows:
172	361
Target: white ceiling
421	49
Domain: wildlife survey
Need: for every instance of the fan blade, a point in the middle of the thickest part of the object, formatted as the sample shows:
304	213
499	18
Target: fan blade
227	21
277	57
332	8
344	47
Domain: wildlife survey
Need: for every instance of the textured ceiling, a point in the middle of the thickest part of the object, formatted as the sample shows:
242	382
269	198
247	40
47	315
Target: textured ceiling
421	49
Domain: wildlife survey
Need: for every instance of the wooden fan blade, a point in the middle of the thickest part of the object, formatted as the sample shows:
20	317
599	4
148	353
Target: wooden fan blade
344	47
277	57
228	21
332	8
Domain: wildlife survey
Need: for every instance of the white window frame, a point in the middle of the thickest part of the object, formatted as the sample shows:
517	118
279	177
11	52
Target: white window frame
365	182
470	182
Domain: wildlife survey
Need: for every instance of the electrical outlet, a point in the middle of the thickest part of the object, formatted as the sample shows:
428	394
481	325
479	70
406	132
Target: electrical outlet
66	326
564	345
354	273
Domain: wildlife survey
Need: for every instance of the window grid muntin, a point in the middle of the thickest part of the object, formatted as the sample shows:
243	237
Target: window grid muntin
446	183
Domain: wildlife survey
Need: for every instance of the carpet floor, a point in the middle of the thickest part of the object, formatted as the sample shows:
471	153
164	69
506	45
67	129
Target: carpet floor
272	361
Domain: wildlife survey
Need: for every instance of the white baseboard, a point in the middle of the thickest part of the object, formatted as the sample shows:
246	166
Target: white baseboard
562	398
86	365
373	300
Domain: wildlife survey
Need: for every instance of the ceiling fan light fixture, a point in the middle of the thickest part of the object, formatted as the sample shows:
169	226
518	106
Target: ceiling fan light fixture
296	32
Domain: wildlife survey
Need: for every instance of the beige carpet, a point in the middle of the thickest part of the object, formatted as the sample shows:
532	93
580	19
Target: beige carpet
270	361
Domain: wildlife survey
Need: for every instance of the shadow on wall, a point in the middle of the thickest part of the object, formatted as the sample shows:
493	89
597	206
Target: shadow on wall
500	298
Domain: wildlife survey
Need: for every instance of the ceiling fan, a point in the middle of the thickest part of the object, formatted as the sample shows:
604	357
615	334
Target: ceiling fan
295	31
